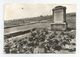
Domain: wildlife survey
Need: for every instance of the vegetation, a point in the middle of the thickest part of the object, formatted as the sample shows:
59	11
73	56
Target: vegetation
41	40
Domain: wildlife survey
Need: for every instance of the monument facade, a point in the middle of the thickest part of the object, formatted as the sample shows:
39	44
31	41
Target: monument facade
59	18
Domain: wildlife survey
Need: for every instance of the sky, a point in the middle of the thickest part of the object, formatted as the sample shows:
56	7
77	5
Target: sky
18	11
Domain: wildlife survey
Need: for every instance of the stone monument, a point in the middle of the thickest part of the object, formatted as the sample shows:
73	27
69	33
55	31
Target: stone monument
59	18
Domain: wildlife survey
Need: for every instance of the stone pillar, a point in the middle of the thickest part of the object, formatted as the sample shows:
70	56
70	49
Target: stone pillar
59	18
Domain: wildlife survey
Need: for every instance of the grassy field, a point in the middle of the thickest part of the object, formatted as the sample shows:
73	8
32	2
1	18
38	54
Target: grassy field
70	18
12	26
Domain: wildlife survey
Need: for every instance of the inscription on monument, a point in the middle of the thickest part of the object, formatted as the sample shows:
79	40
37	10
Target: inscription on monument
58	16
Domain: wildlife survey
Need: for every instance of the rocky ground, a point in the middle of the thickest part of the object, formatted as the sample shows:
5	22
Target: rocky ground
41	41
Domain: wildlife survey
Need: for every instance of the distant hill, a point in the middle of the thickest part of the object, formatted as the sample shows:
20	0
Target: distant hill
70	18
